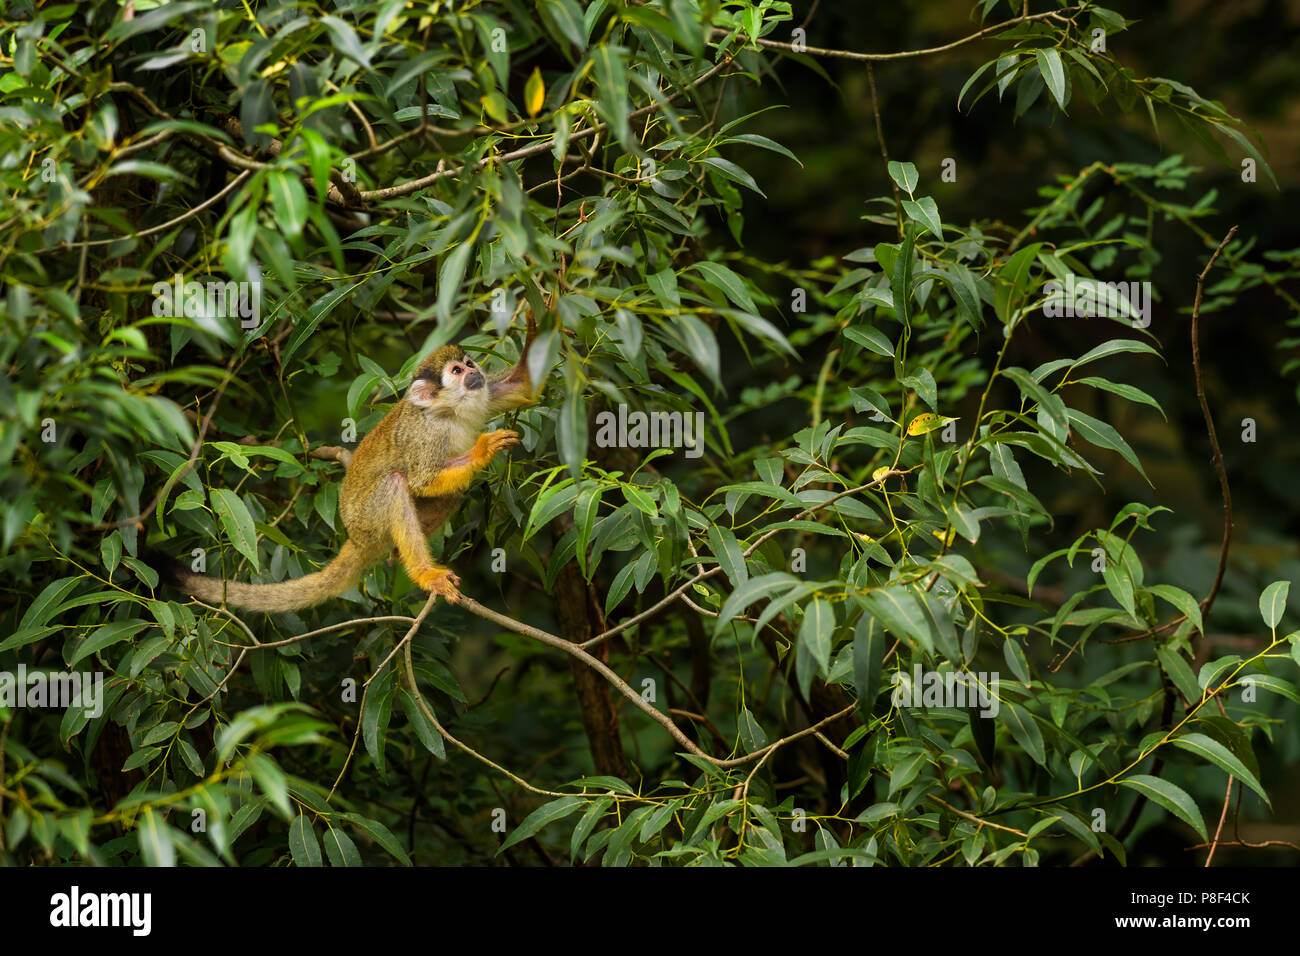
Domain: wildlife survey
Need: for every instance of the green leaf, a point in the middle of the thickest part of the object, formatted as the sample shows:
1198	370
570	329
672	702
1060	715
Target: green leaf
546	813
729	554
762	142
1211	671
1053	72
1078	828
1050	404
1275	684
699	343
1014	280
611	79
303	844
733	172
814	651
965	522
566	19
731	284
904	175
140	758
640	500
289	200
1103	435
271	780
450	277
376	715
1272	603
380	834
867	398
1180	672
1025	730
1122	390
103	636
900	280
1171	797
1107	349
155	838
926	212
571	432
870	338
1221	757
868	662
1016	660
1181	600
237	523
961	95
553	500
44	607
340	849
922	382
1244	142
424	730
896	607
965	292
880	296
751	591
584	518
588	823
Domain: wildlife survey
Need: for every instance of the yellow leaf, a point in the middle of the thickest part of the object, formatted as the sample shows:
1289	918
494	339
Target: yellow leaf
880	472
494	104
927	422
534	92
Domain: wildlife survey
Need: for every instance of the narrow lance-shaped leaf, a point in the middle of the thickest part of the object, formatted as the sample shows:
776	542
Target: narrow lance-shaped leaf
1223	758
546	813
1170	796
814	652
1053	73
237	522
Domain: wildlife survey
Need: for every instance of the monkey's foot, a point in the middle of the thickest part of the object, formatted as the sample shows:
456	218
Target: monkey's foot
442	582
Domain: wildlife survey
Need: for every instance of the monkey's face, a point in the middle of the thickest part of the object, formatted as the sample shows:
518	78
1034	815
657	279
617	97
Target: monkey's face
452	382
462	375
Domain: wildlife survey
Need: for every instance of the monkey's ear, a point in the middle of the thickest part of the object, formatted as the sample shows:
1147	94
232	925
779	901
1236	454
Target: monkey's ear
423	392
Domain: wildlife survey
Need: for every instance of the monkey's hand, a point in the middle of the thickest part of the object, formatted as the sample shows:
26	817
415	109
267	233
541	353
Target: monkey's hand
440	581
489	443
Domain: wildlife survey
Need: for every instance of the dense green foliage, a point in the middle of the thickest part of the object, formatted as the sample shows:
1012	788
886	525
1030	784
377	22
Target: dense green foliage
867	508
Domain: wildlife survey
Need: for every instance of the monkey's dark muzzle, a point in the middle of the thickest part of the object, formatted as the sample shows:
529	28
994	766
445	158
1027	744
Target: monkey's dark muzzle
475	380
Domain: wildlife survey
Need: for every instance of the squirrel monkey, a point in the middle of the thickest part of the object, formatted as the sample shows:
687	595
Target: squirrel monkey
405	479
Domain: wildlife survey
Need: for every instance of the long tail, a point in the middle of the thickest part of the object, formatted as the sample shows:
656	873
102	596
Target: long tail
333	579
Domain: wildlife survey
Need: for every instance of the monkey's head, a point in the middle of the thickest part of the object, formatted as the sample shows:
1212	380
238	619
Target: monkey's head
450	381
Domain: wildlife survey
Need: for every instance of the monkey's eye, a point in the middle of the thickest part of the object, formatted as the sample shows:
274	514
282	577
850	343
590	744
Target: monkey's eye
456	370
469	363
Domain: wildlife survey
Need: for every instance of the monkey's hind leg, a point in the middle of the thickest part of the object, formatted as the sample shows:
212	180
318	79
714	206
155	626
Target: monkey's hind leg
413	549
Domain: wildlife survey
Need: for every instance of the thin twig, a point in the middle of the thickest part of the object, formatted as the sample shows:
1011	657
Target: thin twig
415	626
535	149
1208	600
907	54
884	152
1223	815
212	200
